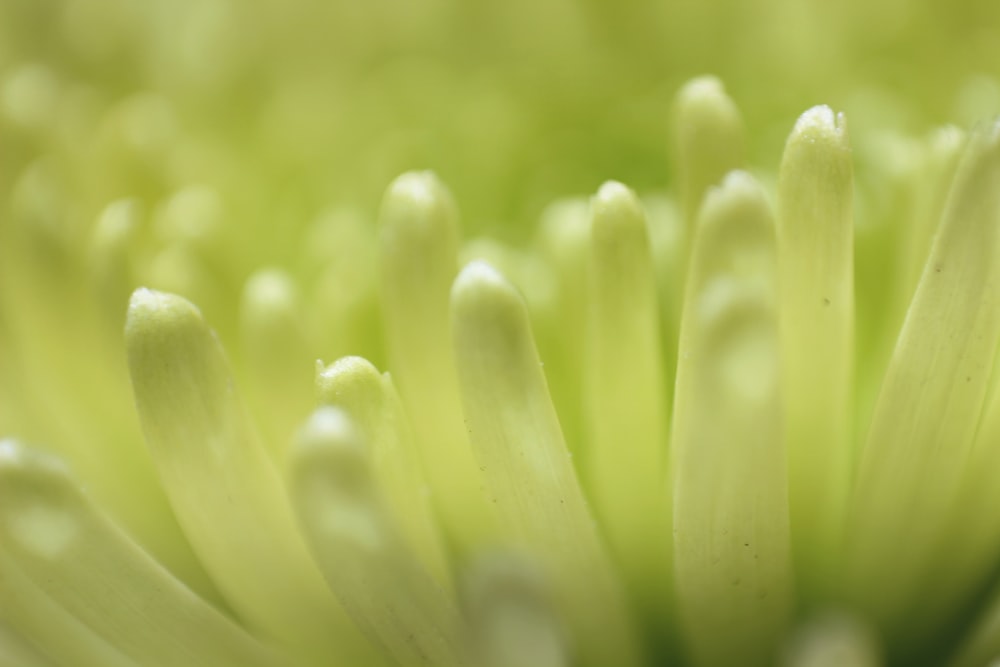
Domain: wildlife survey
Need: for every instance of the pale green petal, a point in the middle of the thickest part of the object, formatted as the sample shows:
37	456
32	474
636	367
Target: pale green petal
55	349
110	256
275	354
512	621
370	399
709	135
530	478
378	579
15	651
626	403
929	406
732	560
76	556
563	243
668	241
419	259
224	489
815	253
338	261
179	269
970	542
64	638
942	151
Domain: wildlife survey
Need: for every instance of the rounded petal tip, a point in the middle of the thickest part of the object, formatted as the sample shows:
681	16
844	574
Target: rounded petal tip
349	369
479	284
737	186
615	202
417	186
146	305
701	88
820	122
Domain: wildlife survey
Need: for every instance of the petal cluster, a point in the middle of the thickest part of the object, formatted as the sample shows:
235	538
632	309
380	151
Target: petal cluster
252	418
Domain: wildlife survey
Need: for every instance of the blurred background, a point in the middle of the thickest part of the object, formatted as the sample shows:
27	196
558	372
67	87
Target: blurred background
187	144
285	107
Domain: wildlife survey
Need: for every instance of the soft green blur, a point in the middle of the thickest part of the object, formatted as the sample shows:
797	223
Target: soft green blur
297	104
235	151
237	125
284	109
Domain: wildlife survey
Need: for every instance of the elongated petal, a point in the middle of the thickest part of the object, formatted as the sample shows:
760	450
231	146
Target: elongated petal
709	133
15	651
922	430
89	568
60	635
731	532
376	576
815	245
943	150
626	400
275	354
419	250
970	542
370	399
109	260
342	312
52	348
530	479
512	621
563	242
224	489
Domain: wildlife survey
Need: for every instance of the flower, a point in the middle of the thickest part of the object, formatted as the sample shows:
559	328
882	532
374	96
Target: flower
751	421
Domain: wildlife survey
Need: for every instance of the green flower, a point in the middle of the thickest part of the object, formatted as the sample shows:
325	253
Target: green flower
751	421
